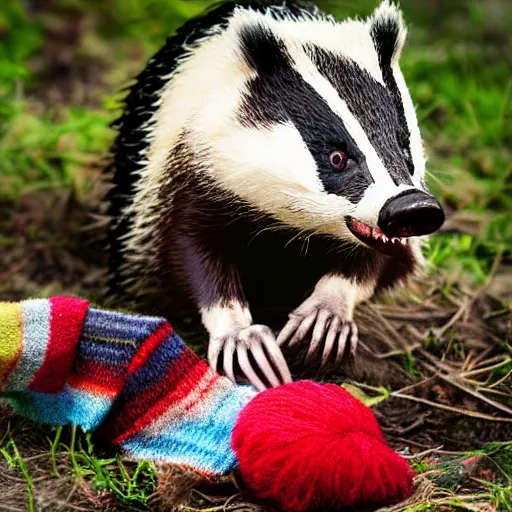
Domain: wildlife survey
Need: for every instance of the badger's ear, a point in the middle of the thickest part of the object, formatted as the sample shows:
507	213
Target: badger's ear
388	32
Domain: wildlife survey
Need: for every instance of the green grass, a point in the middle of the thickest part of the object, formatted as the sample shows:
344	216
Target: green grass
131	486
20	39
14	460
460	82
112	479
51	150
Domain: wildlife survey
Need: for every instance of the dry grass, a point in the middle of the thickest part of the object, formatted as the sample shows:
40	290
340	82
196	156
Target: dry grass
434	363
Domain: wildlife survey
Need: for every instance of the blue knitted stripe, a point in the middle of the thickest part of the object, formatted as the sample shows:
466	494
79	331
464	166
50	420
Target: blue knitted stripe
198	440
69	406
156	367
119	326
211	459
111	354
88	410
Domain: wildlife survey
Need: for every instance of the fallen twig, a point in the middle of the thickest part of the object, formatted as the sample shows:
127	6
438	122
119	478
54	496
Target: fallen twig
486	369
465	412
423	453
456	379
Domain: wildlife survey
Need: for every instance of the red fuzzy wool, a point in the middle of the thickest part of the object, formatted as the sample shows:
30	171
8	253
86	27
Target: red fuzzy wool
308	446
67	316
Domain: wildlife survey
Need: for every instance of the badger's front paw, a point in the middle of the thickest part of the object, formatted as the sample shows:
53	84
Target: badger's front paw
259	341
327	324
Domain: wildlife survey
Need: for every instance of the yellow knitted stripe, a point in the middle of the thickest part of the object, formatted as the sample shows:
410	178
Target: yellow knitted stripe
11	342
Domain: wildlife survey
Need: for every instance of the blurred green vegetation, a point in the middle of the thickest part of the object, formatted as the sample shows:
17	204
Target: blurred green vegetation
457	64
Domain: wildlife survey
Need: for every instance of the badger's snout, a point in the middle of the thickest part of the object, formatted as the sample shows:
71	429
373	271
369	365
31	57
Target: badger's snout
411	213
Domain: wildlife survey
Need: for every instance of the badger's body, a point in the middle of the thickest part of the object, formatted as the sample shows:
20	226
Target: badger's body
266	158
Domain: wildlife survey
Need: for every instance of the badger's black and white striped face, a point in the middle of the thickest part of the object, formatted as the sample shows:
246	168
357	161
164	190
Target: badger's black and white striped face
327	127
306	119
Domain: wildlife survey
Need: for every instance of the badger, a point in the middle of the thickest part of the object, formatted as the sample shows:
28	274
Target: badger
268	171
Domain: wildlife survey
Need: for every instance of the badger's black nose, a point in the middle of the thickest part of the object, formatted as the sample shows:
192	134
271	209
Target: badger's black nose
411	213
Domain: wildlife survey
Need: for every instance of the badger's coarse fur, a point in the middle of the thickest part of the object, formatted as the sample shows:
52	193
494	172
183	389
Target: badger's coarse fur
258	153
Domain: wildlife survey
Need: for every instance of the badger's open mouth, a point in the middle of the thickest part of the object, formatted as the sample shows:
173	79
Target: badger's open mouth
374	238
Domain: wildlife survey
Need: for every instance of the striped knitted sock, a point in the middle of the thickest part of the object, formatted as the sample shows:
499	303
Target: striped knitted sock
130	376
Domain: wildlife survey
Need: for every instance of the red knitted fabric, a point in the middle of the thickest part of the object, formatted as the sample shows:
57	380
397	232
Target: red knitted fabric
64	337
307	446
148	404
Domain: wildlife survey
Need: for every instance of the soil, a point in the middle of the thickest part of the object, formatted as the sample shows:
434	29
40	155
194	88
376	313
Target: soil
53	244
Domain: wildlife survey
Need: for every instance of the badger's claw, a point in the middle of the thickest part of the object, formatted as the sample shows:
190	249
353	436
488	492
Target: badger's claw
326	327
260	342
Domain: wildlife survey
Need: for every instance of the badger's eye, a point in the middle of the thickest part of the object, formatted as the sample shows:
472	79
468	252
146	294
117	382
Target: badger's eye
338	160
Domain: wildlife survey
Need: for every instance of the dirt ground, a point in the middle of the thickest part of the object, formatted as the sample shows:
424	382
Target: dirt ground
436	406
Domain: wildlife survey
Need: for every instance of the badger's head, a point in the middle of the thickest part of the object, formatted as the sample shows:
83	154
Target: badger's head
311	121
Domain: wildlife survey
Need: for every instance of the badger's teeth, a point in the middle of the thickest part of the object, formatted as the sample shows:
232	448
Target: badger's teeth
377	234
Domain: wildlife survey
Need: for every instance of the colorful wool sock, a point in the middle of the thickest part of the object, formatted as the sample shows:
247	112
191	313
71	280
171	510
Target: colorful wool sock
302	446
130	376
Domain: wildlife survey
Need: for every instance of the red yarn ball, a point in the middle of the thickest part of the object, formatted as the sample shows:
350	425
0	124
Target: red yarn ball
308	446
